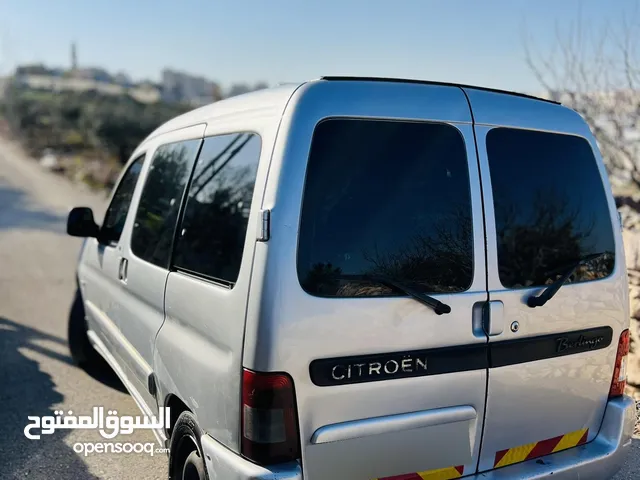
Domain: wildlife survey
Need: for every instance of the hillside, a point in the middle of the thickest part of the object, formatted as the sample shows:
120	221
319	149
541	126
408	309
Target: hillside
83	126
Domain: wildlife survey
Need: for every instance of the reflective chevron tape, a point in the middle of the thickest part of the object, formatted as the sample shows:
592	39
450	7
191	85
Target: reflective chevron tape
539	449
439	474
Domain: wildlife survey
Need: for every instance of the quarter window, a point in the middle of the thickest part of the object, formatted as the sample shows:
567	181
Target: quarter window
213	230
157	214
550	206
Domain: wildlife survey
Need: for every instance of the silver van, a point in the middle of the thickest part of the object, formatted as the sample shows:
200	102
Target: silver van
365	278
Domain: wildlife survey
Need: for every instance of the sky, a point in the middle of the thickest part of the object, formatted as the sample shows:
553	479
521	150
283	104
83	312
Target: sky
473	42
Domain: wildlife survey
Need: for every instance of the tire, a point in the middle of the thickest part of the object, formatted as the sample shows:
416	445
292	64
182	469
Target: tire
186	459
82	352
194	468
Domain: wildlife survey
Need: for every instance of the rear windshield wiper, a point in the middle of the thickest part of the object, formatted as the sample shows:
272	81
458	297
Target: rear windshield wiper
553	288
394	284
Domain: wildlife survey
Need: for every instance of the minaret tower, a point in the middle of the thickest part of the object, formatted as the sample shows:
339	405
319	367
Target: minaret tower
74	57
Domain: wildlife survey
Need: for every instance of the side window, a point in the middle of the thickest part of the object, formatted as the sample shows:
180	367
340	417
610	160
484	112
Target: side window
214	225
116	214
550	208
157	215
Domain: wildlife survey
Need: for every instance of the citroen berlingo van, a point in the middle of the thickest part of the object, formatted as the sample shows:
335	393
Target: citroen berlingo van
365	278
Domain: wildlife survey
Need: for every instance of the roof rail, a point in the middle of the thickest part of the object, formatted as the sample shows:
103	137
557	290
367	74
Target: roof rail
427	82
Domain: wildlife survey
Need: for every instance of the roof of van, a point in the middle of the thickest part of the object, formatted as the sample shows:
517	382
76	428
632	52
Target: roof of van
429	82
277	98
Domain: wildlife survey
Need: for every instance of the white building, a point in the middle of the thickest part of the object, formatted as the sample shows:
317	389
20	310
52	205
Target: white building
182	87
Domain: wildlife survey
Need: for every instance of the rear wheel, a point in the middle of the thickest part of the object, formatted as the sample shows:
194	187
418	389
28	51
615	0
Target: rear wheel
194	467
82	352
186	460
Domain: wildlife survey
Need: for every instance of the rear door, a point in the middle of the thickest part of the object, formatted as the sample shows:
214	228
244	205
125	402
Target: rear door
547	206
385	387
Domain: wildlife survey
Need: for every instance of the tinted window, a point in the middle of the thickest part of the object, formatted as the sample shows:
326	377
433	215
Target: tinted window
154	227
214	226
385	198
116	214
550	207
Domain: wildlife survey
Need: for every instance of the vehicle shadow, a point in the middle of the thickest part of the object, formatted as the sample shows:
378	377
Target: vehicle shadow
632	462
18	211
103	373
29	391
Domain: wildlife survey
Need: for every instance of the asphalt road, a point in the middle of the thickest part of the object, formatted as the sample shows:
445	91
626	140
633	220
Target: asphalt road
37	262
37	377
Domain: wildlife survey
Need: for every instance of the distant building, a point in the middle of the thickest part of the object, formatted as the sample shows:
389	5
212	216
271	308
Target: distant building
123	79
241	88
145	93
97	74
184	88
35	69
261	86
83	80
238	89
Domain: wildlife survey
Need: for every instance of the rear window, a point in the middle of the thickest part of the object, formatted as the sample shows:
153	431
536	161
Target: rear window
385	198
550	207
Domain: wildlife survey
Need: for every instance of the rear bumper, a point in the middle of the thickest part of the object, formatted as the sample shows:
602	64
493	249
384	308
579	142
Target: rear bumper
223	464
597	460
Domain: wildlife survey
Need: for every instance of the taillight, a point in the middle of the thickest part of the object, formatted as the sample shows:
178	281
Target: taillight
619	381
269	418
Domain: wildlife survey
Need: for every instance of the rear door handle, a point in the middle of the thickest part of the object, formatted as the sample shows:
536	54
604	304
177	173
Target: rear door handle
122	270
493	318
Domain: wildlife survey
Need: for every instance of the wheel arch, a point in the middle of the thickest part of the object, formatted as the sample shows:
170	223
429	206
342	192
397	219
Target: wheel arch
177	406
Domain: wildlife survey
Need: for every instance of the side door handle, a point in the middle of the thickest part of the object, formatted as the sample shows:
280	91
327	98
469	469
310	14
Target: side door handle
122	269
493	318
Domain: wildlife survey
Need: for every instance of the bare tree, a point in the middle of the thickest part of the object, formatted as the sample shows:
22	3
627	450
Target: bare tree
597	73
